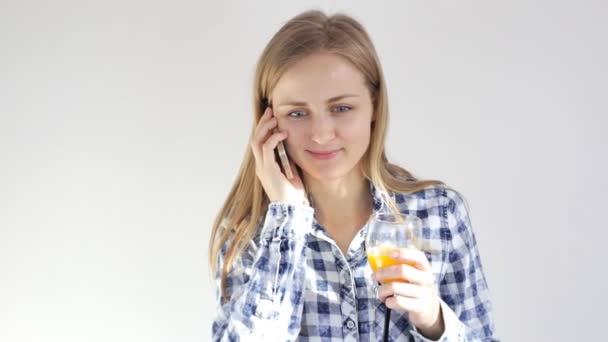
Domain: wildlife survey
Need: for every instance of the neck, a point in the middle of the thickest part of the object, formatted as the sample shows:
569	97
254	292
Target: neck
341	201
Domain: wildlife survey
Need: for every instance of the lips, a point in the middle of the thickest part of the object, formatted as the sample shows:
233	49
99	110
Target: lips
324	155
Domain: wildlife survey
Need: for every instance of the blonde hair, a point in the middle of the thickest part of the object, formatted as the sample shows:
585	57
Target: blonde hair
307	33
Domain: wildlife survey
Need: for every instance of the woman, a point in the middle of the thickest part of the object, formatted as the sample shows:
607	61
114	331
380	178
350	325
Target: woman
288	254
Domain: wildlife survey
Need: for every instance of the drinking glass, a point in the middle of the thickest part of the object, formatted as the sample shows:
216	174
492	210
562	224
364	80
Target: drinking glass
386	233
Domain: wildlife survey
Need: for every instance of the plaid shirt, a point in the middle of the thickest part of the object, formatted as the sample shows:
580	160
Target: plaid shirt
292	282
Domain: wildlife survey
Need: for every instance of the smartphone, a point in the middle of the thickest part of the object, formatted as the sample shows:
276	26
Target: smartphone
284	160
280	151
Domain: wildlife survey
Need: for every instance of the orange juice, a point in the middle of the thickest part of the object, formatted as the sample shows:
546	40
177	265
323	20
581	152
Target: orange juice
379	257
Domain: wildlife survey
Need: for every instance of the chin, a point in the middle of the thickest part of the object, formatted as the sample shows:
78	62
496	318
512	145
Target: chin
326	173
327	176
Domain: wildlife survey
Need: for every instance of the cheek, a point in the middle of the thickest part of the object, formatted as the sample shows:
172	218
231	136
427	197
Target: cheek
295	138
293	142
358	131
295	133
288	126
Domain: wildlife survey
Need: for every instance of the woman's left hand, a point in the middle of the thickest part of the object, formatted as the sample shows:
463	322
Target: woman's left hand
416	295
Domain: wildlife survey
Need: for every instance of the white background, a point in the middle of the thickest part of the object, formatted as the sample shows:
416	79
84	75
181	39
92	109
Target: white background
123	123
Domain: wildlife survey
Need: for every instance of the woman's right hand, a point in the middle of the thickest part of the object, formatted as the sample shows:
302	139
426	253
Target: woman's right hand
275	183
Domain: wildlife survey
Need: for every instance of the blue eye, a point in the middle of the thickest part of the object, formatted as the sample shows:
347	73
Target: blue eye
296	112
343	108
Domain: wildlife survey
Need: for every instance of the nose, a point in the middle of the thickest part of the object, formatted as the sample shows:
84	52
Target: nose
323	129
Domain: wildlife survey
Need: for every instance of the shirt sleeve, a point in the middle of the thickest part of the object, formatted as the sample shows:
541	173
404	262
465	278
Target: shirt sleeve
465	300
265	285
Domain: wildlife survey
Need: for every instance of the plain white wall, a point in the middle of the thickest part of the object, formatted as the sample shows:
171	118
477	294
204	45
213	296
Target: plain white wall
123	123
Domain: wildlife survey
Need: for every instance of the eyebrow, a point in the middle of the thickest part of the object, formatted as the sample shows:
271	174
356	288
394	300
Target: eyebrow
333	99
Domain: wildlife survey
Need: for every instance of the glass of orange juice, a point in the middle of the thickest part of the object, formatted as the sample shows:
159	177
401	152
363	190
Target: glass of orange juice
386	233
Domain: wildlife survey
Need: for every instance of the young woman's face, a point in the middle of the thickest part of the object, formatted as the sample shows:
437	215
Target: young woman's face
324	105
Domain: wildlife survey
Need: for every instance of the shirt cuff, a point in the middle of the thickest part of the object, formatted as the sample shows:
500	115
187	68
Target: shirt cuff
287	221
454	328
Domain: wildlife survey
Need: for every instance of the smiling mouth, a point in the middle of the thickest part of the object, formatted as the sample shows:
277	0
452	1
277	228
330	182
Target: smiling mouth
324	155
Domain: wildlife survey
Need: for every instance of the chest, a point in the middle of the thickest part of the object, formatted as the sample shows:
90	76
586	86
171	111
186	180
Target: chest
340	300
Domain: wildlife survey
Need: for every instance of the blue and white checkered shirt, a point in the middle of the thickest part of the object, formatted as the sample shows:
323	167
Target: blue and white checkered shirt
292	282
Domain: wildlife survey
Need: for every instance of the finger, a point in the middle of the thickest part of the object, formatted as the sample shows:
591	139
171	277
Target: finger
266	115
255	151
397	288
404	304
404	271
263	129
412	256
255	134
261	132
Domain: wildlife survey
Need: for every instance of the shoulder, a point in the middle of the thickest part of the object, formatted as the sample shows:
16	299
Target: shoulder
430	198
249	245
436	197
443	210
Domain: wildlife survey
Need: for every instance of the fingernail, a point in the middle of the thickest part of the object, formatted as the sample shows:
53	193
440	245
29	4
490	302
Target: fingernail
395	254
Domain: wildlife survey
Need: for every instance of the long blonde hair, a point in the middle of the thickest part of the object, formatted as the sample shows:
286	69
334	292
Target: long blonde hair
307	33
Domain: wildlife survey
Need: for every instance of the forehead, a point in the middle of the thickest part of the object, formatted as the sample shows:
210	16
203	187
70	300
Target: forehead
318	77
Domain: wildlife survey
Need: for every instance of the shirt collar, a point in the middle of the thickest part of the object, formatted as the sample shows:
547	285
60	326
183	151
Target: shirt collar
380	198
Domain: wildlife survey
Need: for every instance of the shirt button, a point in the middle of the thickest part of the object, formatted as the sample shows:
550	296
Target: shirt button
350	324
